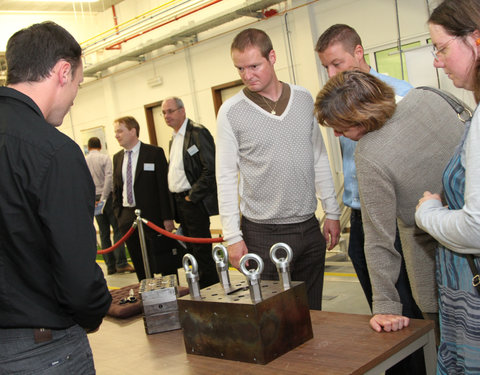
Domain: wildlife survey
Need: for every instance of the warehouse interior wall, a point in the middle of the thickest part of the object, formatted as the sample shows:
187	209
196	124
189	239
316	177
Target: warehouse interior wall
189	70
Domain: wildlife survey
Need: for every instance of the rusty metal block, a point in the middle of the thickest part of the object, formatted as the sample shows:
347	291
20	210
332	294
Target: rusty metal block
230	326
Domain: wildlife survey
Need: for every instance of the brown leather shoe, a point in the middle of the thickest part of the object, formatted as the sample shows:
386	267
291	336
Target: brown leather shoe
127	268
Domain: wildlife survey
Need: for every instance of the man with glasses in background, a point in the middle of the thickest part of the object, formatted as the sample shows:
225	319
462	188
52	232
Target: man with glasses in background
191	180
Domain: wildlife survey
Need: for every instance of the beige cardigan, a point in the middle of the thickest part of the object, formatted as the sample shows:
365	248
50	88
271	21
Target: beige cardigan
395	165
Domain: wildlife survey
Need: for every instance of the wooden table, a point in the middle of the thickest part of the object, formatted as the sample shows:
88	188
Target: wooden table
342	344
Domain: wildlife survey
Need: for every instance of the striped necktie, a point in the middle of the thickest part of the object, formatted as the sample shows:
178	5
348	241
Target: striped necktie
129	178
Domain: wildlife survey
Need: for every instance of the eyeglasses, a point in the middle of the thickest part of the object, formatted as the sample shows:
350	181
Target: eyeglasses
170	111
441	51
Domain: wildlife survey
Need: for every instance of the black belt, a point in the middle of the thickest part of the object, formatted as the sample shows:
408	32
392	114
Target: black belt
356	213
182	194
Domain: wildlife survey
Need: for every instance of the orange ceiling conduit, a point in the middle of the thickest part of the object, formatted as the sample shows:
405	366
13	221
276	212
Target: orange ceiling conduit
176	18
117	29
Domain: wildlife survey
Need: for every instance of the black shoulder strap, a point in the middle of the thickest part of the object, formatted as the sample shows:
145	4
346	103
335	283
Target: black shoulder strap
464	113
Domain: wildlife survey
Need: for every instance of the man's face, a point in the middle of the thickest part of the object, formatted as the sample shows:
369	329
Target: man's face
256	72
125	137
336	60
174	116
65	99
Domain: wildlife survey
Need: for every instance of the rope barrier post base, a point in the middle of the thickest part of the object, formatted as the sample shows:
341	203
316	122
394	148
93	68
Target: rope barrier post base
143	244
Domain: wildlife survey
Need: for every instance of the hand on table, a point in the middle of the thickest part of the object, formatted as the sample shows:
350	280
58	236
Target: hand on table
388	322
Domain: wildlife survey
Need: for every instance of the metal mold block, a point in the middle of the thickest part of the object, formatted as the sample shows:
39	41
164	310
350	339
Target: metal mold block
225	323
161	322
159	304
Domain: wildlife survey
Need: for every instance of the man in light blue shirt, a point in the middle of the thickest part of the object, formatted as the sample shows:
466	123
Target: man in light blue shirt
339	49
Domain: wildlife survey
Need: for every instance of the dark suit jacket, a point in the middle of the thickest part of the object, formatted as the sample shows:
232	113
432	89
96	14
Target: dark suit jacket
150	186
199	166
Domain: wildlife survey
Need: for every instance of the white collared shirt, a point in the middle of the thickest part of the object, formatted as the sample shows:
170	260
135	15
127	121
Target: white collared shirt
177	179
135	152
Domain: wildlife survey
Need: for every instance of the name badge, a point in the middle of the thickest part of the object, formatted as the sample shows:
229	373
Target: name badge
148	167
192	150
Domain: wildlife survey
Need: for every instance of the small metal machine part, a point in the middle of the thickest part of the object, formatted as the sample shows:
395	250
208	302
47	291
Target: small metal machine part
159	304
253	275
283	264
220	256
192	275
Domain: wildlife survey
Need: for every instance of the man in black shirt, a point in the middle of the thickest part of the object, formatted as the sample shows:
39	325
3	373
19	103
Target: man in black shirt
51	290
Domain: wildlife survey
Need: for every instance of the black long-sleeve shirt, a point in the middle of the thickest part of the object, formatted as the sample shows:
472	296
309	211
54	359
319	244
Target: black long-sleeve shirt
48	274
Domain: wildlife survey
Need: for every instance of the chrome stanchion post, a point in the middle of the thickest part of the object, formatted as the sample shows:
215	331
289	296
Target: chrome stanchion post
283	264
253	275
192	275
220	256
143	244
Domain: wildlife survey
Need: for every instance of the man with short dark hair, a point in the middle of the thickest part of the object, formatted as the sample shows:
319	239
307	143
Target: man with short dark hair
140	181
271	165
340	49
52	291
191	180
100	168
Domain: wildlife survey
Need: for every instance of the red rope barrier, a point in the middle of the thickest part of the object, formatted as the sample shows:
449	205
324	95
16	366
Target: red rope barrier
122	240
181	238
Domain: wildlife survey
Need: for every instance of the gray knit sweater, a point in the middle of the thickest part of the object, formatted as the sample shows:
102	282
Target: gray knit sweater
395	165
274	164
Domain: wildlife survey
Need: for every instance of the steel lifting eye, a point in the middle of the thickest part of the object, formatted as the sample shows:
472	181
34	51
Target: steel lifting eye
189	259
220	254
274	250
254	271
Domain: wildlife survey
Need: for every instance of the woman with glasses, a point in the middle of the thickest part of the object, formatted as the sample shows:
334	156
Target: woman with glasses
402	150
454	27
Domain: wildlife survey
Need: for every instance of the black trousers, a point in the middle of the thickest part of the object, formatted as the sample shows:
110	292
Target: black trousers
309	248
195	223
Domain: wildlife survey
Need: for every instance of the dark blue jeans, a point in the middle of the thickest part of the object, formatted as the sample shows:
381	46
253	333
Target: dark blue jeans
356	253
68	352
117	258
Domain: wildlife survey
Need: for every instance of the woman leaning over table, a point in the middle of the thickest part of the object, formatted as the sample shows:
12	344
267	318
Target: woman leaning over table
454	27
401	152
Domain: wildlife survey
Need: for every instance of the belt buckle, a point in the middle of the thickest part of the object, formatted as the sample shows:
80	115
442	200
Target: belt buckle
476	280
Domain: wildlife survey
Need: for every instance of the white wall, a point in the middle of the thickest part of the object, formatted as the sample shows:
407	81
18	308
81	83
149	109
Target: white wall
191	74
